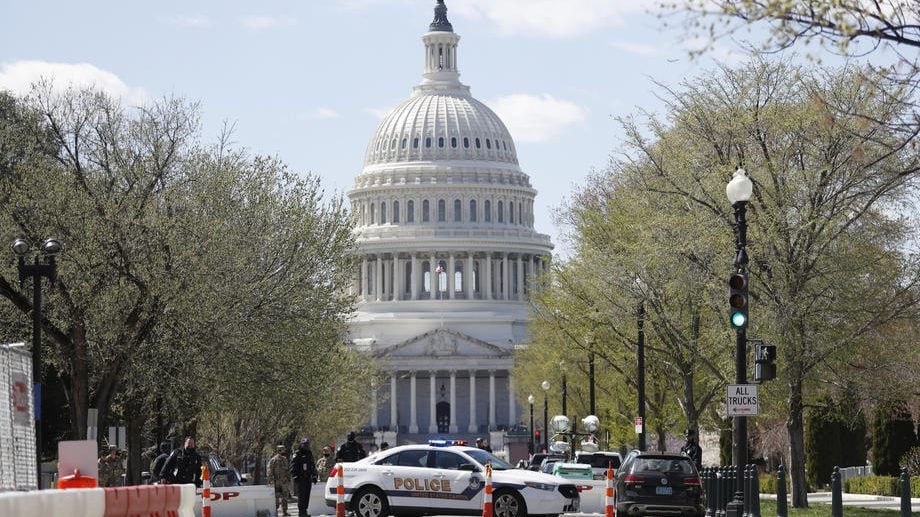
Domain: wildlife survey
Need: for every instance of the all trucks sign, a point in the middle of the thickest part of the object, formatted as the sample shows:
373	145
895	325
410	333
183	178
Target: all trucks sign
742	400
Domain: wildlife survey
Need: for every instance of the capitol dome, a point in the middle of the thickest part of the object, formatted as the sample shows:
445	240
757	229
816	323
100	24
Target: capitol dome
447	258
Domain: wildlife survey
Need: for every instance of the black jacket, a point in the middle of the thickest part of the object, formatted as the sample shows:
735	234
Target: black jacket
182	466
157	467
303	468
350	451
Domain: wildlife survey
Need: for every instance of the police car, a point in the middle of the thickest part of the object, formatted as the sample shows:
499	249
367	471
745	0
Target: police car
446	477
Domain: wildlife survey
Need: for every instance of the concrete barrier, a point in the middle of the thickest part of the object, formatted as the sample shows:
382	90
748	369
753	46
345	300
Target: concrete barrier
240	501
136	501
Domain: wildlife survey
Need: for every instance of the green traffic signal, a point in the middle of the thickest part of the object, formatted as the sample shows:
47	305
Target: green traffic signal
739	320
738	300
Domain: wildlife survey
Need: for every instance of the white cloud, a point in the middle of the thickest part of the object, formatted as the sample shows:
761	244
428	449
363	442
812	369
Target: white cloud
191	21
640	49
324	113
555	18
263	22
716	50
380	112
537	118
19	76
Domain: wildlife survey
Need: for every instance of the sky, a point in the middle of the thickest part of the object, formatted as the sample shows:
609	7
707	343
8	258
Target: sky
309	80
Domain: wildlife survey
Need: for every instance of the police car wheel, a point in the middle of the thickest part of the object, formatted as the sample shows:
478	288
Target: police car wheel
507	503
370	502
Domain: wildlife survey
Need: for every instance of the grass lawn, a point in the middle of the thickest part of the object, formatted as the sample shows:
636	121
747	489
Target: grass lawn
768	509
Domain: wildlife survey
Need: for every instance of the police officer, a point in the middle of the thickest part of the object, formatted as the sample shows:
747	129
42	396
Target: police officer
279	475
351	450
182	466
693	449
303	472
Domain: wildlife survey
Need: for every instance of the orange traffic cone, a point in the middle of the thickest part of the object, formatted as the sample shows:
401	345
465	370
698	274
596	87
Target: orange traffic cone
339	492
205	492
487	493
609	509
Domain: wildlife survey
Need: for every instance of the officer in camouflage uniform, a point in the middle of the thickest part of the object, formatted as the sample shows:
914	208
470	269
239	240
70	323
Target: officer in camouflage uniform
324	465
280	477
110	468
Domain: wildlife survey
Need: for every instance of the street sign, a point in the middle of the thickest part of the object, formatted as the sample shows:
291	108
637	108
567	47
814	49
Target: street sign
741	400
638	423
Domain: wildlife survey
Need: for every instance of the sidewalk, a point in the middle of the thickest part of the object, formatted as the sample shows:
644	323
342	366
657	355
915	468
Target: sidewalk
859	500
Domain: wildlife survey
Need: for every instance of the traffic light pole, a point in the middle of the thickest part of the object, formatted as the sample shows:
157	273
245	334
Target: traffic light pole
739	429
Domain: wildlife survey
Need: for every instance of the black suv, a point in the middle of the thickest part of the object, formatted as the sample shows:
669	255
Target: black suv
659	484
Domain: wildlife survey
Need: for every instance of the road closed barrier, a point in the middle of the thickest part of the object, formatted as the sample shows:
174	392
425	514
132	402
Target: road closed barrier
238	501
136	501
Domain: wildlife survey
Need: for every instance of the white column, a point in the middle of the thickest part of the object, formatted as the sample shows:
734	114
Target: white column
378	281
364	279
474	425
512	403
450	276
506	276
487	279
397	278
432	406
453	401
374	406
394	423
520	277
468	275
491	400
387	279
414	275
433	277
413	409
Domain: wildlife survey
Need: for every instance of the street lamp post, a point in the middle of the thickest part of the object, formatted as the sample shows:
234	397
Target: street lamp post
533	447
640	367
565	391
591	393
545	386
739	191
40	268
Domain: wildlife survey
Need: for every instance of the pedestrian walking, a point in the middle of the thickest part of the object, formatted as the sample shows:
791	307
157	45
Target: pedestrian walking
110	468
324	464
384	446
351	450
183	465
692	449
157	464
303	472
279	475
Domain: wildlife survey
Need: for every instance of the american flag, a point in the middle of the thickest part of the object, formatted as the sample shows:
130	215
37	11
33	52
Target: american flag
440	269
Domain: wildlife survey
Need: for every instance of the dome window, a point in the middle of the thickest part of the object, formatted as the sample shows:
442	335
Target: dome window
453	142
504	146
488	143
415	143
373	214
520	213
472	210
466	143
511	212
426	212
410	211
403	144
393	145
395	211
427	141
441	141
458	211
488	211
383	212
442	211
478	146
501	212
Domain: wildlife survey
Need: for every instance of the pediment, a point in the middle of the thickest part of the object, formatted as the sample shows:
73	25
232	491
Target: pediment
443	343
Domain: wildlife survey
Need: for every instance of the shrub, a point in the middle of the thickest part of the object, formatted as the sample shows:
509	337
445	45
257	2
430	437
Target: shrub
893	434
768	484
911	461
880	485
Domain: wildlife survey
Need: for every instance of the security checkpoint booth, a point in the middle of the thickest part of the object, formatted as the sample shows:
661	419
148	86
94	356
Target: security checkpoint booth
17	420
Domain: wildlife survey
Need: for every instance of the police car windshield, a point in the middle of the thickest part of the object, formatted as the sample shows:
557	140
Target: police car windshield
484	457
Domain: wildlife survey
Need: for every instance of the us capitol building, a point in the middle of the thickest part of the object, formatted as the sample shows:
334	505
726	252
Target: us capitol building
448	255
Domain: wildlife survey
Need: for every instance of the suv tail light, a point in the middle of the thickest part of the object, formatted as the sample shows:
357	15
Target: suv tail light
692	481
633	480
334	472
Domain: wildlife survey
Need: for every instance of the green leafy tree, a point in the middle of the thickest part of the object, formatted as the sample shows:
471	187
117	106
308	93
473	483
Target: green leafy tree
892	437
827	264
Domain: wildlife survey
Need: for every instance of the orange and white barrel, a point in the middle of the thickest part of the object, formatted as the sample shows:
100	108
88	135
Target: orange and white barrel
609	509
205	492
339	491
487	492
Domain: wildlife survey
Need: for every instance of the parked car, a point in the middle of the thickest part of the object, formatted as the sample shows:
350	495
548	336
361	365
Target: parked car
658	483
536	461
599	461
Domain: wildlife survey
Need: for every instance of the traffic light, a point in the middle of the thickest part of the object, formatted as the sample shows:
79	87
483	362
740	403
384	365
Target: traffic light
764	362
738	300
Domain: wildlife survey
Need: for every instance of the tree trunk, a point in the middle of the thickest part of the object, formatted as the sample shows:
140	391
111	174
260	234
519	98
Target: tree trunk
662	434
257	470
79	383
135	427
796	428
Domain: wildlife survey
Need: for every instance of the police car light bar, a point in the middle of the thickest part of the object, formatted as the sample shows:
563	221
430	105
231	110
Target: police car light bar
446	443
